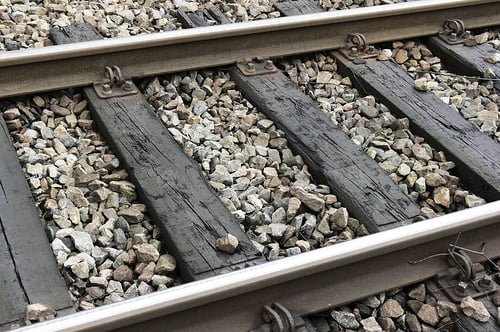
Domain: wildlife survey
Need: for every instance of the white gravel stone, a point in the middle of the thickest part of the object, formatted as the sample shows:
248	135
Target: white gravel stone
83	241
310	200
39	312
421	84
146	253
474	309
228	243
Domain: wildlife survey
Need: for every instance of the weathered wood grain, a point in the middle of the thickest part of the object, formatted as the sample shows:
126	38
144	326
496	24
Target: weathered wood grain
24	240
73	33
12	298
475	154
332	157
200	19
190	215
298	7
465	60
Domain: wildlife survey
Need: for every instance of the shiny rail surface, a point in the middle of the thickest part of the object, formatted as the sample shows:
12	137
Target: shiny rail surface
58	67
307	283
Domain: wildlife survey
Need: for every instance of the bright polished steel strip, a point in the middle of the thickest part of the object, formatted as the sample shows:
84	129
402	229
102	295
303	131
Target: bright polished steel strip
233	301
229	30
62	66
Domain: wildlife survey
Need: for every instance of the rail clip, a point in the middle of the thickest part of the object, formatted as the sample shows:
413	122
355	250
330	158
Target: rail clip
358	49
114	85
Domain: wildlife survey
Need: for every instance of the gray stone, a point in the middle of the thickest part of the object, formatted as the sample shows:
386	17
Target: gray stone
340	218
146	253
293	207
345	319
368	111
473	201
123	273
442	196
418	293
446	308
166	264
370	325
385	55
421	84
158	280
387	324
428	314
310	200
413	323
434	180
82	241
114	287
39	312
391	308
474	309
372	302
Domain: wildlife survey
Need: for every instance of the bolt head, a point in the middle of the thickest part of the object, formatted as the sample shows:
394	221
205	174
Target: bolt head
486	282
106	87
269	65
250	66
461	288
127	86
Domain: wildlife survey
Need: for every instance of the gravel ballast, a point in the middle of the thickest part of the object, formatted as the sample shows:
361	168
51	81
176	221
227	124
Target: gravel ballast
422	172
247	160
409	309
475	99
102	238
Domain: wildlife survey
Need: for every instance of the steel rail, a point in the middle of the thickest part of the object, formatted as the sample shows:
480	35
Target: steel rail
63	66
307	283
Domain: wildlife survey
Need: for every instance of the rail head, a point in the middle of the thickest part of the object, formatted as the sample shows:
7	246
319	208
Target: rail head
228	30
208	294
80	64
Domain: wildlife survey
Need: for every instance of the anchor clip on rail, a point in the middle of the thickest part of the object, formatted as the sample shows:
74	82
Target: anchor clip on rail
279	319
259	66
465	278
454	33
114	85
358	49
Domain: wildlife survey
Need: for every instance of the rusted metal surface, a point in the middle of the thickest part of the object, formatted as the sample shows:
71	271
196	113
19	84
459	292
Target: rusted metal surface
64	66
304	284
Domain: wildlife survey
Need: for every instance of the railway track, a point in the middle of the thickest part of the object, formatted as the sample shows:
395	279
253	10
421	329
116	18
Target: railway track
129	210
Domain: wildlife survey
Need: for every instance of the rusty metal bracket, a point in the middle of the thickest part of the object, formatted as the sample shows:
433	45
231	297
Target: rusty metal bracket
279	319
454	33
259	66
114	85
482	285
358	49
466	278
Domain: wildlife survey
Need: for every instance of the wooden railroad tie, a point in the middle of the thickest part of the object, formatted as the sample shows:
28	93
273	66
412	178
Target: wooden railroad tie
366	190
28	269
475	154
188	212
466	60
